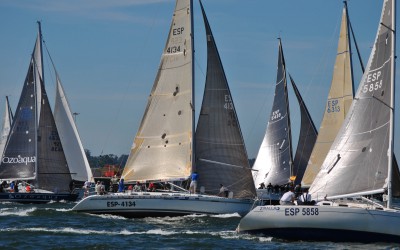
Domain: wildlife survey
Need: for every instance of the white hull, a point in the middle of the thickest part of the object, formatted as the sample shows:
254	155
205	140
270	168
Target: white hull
323	223
155	204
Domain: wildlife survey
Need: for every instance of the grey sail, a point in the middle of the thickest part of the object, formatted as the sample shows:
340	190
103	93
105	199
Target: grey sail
19	155
360	158
275	153
221	156
53	172
308	136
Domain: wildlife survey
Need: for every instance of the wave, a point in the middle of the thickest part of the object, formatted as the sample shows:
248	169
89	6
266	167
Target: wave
108	216
17	211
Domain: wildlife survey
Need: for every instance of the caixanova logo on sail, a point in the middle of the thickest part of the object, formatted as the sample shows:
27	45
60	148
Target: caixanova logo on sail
19	160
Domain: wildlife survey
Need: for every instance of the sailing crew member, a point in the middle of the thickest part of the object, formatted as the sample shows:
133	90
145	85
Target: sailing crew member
193	183
287	198
121	187
305	198
223	191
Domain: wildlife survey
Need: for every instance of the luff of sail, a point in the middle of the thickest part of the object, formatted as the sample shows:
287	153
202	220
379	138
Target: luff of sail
275	153
308	136
163	146
337	106
6	126
221	156
69	136
361	155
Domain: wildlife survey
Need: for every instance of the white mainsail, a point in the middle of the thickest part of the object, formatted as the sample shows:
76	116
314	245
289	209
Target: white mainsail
163	146
69	136
360	159
6	126
337	106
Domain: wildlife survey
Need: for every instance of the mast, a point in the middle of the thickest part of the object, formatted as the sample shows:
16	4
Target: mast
10	114
287	109
193	89
350	53
392	103
41	78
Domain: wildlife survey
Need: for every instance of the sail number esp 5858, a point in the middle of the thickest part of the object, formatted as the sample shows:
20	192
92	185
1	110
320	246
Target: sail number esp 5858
306	211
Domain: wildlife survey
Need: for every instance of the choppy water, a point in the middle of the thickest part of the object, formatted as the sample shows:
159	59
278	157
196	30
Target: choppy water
55	226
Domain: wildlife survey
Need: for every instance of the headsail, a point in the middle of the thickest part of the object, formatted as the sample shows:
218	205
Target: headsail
163	146
338	104
308	136
360	159
69	136
221	156
6	126
275	153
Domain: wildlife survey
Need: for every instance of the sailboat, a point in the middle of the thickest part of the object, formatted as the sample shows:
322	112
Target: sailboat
6	126
34	152
359	164
274	163
166	148
338	103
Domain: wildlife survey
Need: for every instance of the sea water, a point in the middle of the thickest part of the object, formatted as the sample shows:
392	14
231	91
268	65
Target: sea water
55	226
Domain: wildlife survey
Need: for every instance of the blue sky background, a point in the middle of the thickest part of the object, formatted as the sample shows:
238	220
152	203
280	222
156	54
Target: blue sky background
107	54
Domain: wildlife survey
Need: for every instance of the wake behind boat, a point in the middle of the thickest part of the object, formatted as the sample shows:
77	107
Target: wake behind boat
166	149
360	163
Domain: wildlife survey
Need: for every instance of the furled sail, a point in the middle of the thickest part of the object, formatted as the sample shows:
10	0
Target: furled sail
221	156
162	149
69	136
275	153
6	126
308	136
360	159
337	106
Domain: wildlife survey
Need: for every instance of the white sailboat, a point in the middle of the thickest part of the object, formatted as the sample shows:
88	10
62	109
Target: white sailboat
167	149
34	152
358	164
6	126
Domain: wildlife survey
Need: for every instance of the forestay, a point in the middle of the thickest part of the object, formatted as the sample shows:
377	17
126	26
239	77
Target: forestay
162	149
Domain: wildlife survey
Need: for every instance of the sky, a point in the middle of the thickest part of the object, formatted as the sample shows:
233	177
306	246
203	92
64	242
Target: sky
107	54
